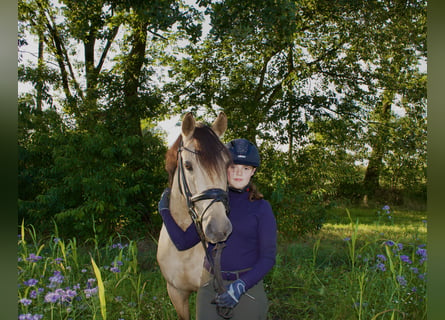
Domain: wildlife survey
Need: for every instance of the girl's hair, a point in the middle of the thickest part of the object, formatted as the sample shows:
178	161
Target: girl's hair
254	193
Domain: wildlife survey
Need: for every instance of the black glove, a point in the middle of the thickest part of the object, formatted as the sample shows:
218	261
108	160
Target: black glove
164	203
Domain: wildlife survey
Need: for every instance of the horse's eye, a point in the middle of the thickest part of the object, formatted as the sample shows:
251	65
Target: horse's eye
188	165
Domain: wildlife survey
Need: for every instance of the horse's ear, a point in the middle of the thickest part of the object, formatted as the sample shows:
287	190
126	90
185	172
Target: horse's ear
219	126
188	126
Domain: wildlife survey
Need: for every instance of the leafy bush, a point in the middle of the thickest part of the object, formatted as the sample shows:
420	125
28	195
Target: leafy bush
86	179
299	208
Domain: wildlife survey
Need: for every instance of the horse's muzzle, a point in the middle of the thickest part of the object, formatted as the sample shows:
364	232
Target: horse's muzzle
217	229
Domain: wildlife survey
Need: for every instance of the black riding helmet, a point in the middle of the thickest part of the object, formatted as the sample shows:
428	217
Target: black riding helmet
244	152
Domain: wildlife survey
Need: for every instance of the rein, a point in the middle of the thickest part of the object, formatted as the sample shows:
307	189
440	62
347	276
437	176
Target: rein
216	195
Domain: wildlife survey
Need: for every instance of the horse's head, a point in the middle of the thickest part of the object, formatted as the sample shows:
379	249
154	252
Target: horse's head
197	164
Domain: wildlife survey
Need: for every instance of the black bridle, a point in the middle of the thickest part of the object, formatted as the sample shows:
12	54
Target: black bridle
216	195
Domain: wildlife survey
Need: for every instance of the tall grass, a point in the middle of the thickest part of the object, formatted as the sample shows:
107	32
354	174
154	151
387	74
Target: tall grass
60	279
364	264
372	270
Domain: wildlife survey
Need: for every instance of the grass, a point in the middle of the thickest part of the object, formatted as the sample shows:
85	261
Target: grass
364	264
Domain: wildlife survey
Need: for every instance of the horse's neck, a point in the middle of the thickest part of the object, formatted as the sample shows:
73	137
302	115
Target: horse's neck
178	209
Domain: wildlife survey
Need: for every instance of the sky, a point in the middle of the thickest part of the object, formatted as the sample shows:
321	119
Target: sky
172	128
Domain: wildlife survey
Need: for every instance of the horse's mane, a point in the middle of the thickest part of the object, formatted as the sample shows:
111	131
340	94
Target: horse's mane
211	151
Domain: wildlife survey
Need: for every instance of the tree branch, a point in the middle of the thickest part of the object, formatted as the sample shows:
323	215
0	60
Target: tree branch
106	49
61	55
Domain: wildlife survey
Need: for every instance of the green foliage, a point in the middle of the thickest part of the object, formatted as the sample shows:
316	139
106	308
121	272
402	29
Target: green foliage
319	79
352	271
291	197
314	76
81	179
61	279
356	267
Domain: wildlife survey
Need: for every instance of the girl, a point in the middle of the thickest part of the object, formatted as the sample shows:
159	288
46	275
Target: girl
249	251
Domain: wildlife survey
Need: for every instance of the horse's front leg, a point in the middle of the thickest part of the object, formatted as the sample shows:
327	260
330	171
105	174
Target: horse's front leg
180	300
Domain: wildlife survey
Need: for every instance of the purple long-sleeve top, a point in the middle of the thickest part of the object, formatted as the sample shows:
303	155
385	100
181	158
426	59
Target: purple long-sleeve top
252	243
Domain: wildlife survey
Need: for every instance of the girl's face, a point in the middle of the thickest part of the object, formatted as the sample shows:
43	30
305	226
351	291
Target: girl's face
239	175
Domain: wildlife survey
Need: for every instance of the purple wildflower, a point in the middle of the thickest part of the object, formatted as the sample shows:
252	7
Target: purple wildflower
51	297
415	270
25	302
66	296
381	266
381	257
29	316
115	270
33	257
421	252
119	246
406	259
402	281
90	292
90	283
71	293
56	278
390	243
33	294
31	282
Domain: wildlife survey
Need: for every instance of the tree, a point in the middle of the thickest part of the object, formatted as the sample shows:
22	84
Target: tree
312	82
275	67
94	85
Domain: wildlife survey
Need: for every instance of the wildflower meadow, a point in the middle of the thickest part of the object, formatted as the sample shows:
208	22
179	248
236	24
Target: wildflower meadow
363	264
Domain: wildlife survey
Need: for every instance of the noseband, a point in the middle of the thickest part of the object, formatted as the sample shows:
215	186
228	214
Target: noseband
214	194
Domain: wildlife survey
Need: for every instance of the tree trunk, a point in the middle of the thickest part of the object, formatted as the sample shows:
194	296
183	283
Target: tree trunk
40	64
373	171
134	65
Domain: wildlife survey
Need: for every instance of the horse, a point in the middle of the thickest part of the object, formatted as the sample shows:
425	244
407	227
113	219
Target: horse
196	164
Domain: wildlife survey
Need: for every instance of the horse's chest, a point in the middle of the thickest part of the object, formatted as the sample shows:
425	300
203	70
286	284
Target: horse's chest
180	268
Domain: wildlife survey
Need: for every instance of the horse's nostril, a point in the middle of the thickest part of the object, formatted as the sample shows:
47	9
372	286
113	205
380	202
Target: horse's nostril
217	233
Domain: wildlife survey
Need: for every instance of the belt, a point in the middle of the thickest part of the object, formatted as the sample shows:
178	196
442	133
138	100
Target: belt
227	275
